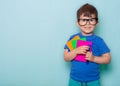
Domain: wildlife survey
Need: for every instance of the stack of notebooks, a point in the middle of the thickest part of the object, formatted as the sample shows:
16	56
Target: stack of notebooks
77	42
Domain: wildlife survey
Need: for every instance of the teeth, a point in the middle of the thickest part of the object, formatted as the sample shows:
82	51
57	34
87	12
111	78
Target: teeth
87	27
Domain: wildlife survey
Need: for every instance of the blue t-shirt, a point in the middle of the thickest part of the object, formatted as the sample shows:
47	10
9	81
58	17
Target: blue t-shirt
81	71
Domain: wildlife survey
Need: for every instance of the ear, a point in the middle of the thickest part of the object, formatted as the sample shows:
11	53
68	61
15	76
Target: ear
96	24
77	24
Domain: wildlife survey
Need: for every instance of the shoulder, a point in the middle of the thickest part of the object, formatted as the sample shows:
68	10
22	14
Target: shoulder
98	39
101	45
100	42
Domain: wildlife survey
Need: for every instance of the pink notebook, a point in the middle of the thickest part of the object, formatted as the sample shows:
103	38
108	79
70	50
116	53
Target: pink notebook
81	57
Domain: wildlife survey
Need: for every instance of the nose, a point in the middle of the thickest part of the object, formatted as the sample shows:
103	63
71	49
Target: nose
88	22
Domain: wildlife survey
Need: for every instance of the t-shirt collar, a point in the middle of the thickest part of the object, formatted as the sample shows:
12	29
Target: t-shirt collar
87	37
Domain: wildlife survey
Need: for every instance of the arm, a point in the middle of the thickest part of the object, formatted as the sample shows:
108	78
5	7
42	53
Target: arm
103	59
68	56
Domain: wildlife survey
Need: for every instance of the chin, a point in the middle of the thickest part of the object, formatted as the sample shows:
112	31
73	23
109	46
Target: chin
88	33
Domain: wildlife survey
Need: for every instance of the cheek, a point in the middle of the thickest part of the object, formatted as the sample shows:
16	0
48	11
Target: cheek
93	27
82	27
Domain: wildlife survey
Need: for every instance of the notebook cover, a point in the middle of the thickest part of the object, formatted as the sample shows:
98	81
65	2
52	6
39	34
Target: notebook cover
81	57
72	45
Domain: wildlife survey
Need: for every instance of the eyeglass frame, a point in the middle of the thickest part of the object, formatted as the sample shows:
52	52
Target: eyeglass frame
88	20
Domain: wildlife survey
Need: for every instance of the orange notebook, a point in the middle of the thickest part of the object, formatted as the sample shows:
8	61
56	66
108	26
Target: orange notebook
69	43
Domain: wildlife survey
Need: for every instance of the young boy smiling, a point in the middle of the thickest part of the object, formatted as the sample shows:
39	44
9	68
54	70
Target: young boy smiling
83	74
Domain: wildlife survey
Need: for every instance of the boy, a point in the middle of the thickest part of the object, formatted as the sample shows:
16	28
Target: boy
87	73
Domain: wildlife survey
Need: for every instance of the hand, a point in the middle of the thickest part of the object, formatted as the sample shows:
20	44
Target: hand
90	56
82	50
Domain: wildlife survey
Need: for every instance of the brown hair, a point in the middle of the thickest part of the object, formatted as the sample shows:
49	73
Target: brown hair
87	10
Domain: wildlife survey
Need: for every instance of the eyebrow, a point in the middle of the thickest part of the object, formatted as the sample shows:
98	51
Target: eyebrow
87	18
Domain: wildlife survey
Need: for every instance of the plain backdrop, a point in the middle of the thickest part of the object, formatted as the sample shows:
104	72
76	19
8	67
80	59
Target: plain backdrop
33	34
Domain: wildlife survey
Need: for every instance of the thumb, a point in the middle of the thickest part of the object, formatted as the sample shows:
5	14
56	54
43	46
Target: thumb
87	54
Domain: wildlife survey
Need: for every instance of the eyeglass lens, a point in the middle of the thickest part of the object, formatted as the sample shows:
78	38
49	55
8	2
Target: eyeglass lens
91	21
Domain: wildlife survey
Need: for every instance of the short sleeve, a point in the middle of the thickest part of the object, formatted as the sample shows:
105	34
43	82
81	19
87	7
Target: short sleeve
66	47
103	48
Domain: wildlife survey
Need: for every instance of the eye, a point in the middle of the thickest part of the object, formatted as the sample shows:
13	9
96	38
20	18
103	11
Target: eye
91	19
84	20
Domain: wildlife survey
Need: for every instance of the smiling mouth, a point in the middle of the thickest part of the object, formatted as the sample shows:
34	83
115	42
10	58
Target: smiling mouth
87	28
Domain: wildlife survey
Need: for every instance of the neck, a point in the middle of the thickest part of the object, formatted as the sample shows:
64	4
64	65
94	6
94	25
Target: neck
87	34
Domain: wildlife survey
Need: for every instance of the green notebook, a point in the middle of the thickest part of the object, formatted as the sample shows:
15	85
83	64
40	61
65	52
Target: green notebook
84	39
74	42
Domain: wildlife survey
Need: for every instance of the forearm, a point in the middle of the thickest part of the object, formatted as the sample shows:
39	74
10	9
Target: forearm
104	59
68	56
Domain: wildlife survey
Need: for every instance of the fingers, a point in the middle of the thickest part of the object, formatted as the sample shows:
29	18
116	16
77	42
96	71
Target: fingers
89	56
83	49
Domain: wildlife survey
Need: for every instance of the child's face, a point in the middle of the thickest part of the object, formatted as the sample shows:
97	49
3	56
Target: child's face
87	24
